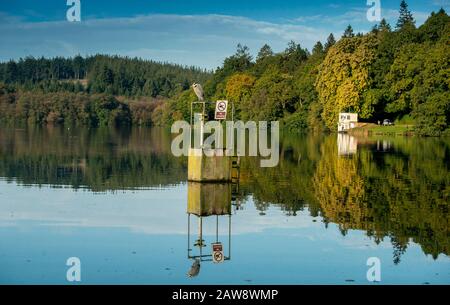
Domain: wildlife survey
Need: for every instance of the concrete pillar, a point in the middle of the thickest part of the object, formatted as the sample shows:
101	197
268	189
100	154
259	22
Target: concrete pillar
202	168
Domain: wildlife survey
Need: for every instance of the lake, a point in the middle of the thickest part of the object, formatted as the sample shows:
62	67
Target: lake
120	202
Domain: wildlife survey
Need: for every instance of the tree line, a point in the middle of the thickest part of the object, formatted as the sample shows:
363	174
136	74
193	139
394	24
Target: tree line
100	74
94	91
396	73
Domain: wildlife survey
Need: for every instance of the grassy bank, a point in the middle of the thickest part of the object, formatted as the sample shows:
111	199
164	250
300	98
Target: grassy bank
374	129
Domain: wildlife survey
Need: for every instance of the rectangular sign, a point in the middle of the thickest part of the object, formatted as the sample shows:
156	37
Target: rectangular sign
221	110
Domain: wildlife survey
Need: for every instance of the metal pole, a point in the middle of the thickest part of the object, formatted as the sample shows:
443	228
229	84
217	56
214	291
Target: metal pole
200	224
202	124
192	127
217	228
201	236
189	234
229	236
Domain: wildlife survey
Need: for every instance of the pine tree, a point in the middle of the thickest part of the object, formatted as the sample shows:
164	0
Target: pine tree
406	17
295	53
318	48
243	52
266	51
78	66
331	41
384	26
348	32
238	62
12	72
292	47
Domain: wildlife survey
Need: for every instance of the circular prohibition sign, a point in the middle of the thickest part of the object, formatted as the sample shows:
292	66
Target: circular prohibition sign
221	106
218	256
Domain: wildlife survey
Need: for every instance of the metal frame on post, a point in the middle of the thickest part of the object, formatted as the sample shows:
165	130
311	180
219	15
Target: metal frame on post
207	257
204	109
203	115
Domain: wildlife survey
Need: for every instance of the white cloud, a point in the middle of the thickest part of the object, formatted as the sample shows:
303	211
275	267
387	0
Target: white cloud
202	40
442	3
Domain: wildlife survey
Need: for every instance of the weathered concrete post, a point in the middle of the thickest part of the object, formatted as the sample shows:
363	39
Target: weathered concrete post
202	168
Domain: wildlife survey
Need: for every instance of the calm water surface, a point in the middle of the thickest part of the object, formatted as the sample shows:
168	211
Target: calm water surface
119	200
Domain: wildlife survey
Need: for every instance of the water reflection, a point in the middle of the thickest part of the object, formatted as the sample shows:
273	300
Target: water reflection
96	159
213	201
394	189
347	144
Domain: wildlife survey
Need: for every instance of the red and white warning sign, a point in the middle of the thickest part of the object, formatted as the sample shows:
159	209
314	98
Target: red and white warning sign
217	253
221	110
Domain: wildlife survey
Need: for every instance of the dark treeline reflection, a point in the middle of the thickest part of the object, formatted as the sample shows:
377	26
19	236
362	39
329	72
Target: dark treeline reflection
98	159
395	188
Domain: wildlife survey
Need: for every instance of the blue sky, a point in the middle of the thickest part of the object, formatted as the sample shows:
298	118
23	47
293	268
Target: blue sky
191	32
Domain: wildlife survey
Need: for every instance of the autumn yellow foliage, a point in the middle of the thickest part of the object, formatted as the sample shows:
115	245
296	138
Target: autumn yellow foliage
344	77
239	86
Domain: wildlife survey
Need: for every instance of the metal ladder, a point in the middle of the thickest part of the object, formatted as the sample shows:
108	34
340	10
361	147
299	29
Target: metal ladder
235	175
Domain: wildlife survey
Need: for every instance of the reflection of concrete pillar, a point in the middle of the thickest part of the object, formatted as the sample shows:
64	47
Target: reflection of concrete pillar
205	199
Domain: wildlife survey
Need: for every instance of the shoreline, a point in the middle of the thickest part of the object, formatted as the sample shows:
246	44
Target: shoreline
370	129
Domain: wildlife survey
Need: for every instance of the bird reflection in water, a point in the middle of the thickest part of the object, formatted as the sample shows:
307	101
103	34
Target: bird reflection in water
195	268
207	201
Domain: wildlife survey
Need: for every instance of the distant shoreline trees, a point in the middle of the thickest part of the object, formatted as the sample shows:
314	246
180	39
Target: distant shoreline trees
101	74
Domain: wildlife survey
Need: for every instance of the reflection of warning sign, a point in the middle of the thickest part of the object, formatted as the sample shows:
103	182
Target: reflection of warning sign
221	110
217	253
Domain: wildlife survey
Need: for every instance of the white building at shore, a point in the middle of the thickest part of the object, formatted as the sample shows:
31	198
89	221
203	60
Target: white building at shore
347	121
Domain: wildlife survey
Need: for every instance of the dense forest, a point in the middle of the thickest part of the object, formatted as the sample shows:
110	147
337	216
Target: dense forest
98	90
100	74
397	72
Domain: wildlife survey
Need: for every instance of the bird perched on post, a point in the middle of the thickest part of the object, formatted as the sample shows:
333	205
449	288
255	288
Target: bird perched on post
198	91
